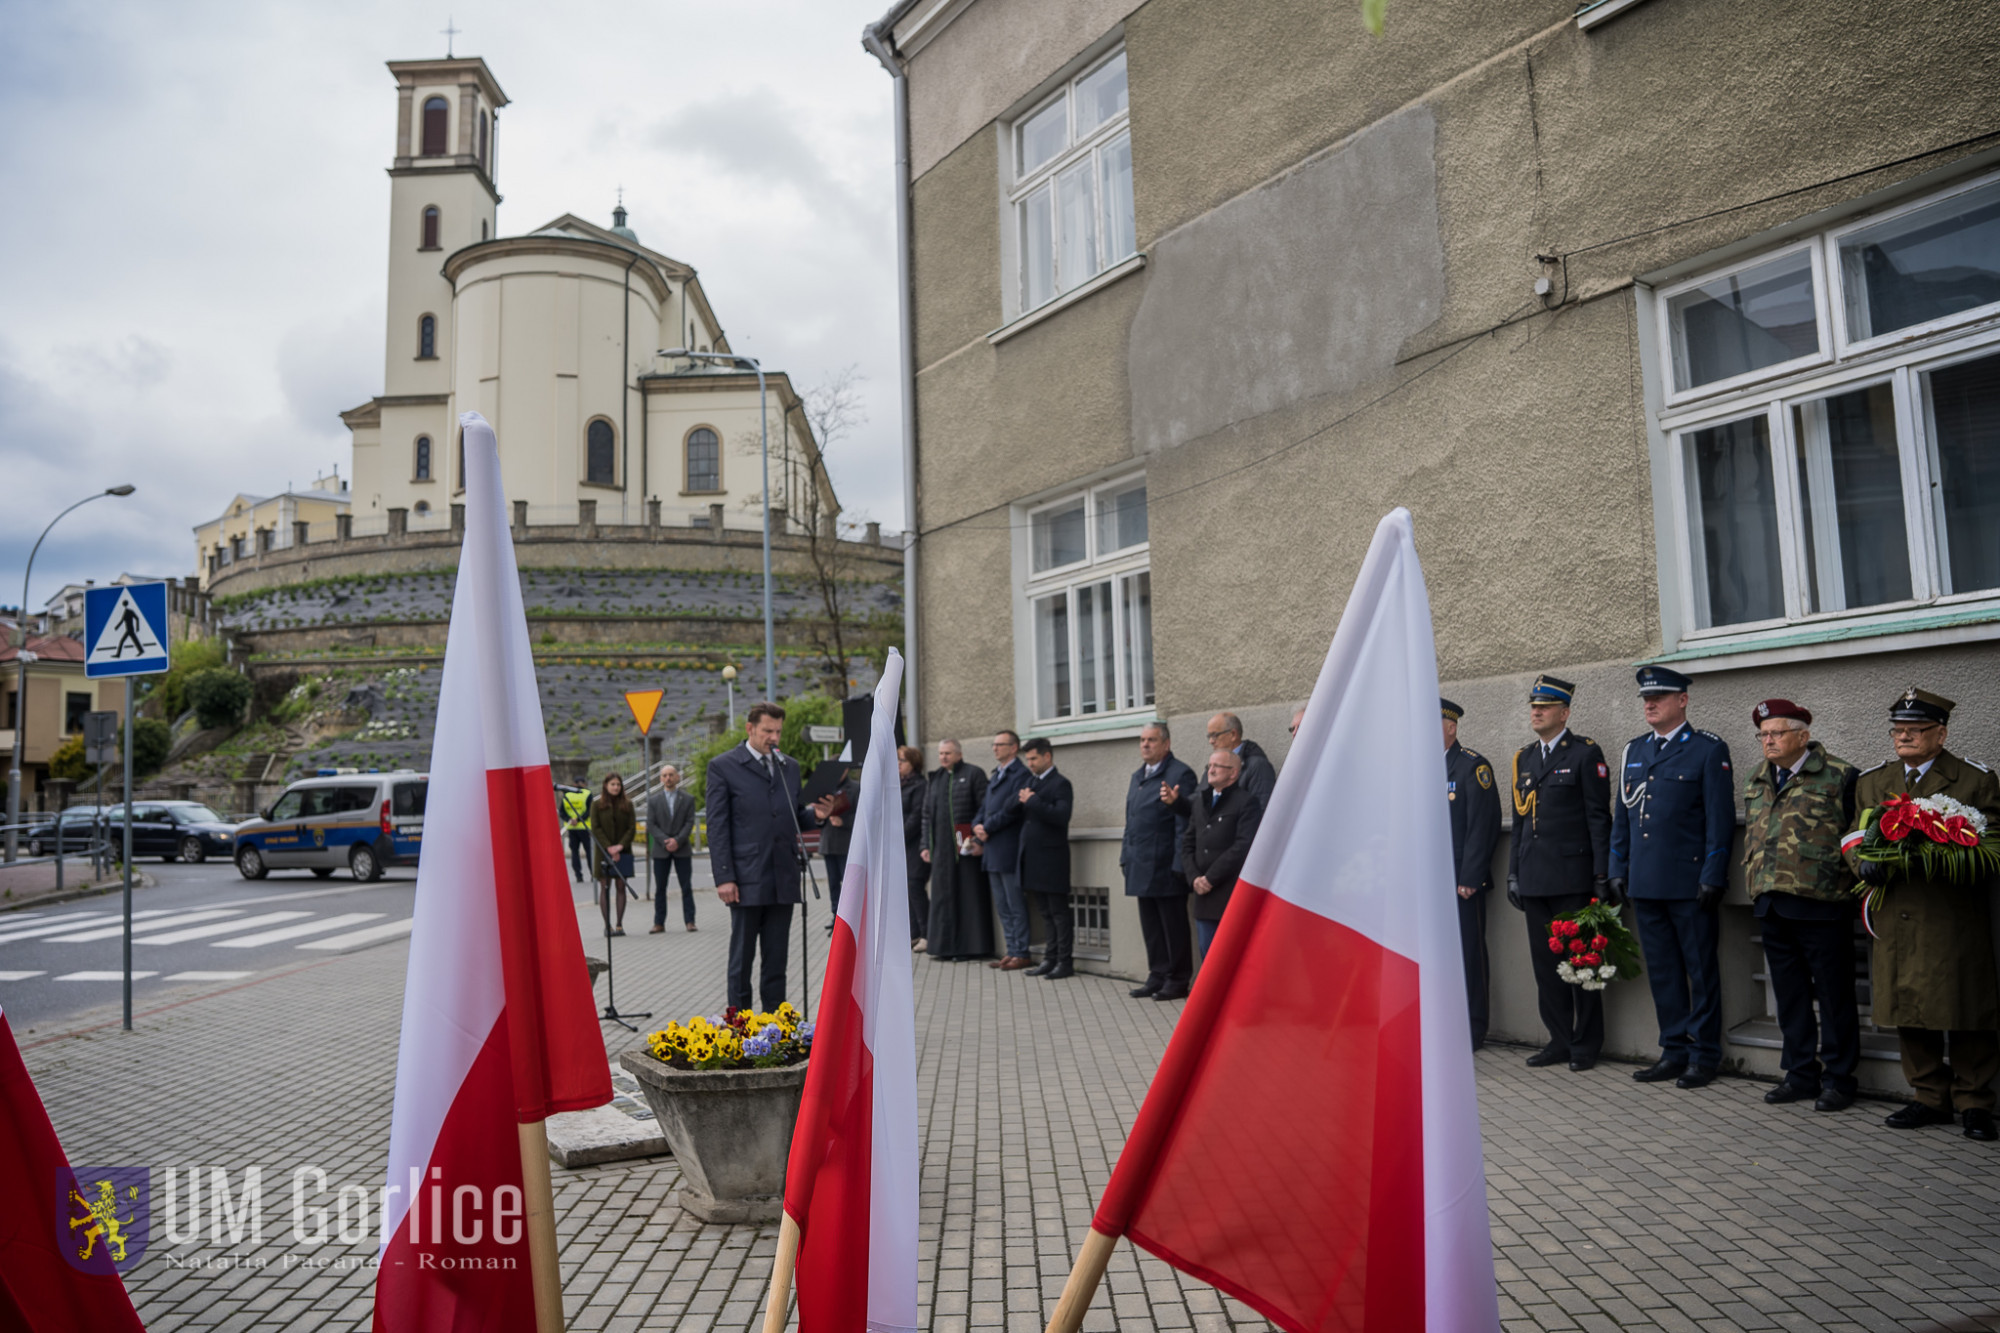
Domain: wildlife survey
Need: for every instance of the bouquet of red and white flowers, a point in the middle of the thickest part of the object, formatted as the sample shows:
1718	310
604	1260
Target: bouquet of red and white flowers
1593	946
1927	837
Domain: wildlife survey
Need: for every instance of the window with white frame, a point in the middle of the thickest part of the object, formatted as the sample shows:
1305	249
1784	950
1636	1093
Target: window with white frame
1090	603
1071	192
1833	418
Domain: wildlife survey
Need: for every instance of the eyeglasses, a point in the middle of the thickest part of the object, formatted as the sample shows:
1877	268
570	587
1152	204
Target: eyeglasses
1911	733
1218	735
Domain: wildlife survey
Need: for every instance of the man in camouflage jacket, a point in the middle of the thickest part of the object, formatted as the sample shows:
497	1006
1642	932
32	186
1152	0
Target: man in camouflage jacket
1934	977
1796	807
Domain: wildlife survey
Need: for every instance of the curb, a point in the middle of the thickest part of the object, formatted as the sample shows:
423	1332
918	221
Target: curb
140	880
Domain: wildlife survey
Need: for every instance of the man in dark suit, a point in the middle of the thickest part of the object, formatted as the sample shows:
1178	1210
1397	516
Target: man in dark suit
1670	833
1150	858
1260	777
1222	821
1475	831
670	839
1561	853
754	818
999	829
1046	802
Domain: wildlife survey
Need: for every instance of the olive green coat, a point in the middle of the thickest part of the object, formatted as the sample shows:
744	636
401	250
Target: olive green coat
1933	960
1791	838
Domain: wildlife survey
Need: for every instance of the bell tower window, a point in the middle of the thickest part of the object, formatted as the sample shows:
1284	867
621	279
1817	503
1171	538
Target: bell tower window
482	141
436	113
430	228
427	328
423	468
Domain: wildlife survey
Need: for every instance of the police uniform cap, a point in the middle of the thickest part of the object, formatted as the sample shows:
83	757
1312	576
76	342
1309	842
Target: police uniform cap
1917	705
1771	708
1661	680
1551	690
1452	712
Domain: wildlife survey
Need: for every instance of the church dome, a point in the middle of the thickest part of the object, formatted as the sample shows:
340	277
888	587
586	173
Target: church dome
618	226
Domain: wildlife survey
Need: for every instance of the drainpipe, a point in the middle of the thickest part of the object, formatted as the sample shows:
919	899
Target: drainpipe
877	40
625	405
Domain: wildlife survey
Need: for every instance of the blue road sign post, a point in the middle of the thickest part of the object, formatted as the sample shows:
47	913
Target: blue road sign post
125	634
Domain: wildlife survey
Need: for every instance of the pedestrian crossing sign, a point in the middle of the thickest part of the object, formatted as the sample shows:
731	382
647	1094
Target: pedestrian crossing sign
125	626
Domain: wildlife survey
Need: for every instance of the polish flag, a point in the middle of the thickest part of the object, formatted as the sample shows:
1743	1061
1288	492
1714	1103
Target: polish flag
851	1182
1310	1144
45	1286
499	1021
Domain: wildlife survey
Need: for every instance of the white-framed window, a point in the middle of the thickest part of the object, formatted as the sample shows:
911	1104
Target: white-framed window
1069	192
1089	596
1832	421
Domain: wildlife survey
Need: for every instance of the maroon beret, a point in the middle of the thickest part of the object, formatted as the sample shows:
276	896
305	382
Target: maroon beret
1779	708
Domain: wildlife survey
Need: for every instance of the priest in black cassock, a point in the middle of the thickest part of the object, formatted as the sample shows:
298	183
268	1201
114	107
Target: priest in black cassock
961	911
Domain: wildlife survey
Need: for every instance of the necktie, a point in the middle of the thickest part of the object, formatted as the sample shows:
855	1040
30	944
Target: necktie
770	770
1780	777
1911	777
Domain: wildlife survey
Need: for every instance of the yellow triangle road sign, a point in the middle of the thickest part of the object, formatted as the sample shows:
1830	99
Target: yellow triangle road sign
644	703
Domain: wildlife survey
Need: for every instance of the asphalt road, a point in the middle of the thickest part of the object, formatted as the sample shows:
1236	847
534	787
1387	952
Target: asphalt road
198	927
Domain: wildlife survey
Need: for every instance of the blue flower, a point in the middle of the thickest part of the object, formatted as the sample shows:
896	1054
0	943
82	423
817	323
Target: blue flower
805	1034
764	1043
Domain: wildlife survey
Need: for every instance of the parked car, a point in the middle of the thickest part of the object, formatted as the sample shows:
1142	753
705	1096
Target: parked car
364	821
76	827
171	830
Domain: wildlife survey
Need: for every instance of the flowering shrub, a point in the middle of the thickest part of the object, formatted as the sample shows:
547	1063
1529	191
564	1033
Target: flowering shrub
734	1039
1593	947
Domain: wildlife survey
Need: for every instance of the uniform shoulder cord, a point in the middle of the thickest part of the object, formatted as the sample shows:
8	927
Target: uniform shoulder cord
1523	809
1633	797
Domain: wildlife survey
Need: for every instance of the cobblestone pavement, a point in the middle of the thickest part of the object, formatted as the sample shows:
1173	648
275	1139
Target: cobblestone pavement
1614	1205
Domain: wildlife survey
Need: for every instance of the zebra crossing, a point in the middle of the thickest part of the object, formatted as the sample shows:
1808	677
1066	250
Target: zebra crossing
217	927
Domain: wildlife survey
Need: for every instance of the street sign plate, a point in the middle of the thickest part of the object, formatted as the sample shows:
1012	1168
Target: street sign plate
100	738
825	735
644	703
125	629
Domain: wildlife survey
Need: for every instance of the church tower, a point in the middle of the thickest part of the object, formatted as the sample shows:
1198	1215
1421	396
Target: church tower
442	198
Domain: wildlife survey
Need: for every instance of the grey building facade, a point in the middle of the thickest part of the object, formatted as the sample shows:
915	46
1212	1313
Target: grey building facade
1675	324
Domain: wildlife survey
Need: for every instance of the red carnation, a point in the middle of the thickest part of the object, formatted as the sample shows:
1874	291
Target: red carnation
1592	959
1599	942
1576	946
1555	945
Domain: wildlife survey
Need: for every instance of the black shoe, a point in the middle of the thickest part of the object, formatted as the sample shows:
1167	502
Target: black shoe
1915	1116
1696	1078
1979	1125
1660	1071
1172	993
1788	1091
1580	1063
1046	966
1545	1057
1145	992
1059	971
1833	1099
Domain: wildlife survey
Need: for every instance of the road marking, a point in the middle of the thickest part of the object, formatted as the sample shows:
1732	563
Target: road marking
158	923
25	916
209	976
61	924
104	976
356	887
293	932
221	928
17	976
372	935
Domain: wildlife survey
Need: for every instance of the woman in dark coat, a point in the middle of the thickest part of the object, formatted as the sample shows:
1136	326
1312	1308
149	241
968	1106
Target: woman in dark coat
910	765
961	924
612	826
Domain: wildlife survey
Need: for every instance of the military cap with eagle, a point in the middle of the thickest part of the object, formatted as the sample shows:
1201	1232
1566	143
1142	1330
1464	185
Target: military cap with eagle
1551	690
1921	706
1662	680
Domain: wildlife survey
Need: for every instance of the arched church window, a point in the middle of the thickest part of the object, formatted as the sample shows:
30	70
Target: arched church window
423	468
430	227
600	454
704	460
427	332
436	114
482	141
423	506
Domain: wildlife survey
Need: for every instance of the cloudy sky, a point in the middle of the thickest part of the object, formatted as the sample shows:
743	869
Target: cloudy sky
196	239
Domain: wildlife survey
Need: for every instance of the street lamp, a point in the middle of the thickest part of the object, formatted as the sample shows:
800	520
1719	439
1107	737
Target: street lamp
729	681
764	427
21	690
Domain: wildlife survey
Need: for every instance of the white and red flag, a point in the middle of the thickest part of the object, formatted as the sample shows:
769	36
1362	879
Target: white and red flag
851	1182
1310	1144
499	1021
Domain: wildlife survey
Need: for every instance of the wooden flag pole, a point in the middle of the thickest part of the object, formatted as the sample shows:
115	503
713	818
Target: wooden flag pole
1091	1262
782	1265
541	1222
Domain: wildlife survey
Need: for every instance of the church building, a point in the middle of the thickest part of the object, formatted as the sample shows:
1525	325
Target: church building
555	336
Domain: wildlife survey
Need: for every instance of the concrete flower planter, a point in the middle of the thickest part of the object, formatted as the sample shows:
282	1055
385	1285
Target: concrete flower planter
731	1132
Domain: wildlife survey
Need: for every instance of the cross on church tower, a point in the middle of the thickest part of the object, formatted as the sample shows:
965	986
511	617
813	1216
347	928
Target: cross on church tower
449	32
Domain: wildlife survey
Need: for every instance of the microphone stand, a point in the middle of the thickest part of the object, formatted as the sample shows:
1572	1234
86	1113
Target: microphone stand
805	927
610	1014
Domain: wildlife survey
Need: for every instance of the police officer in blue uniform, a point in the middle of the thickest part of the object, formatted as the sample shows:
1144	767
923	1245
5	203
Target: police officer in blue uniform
1562	839
1670	829
1475	831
